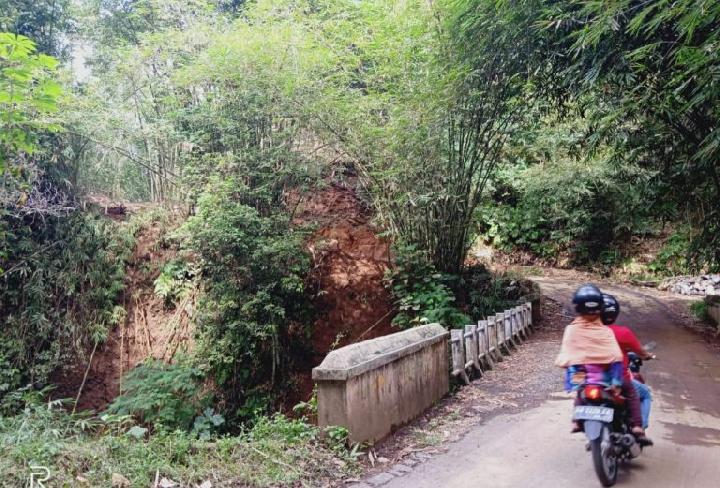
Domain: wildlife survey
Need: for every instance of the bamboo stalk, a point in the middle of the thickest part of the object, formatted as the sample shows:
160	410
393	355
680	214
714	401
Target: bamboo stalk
145	326
176	320
143	313
87	370
122	350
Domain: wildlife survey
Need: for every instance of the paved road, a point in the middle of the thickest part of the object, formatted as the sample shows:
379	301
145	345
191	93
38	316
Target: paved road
534	448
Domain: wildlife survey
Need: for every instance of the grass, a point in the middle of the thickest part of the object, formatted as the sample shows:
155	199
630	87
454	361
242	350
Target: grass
700	310
426	438
433	434
533	271
87	451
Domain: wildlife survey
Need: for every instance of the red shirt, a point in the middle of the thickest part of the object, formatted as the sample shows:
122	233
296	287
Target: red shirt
628	342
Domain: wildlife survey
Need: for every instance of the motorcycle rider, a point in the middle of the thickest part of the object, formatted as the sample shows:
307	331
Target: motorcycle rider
642	389
637	394
589	351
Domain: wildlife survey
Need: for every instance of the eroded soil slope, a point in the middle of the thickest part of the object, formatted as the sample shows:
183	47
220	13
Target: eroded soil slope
151	328
350	261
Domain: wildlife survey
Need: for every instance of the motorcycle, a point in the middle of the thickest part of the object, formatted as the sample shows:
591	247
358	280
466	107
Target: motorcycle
603	416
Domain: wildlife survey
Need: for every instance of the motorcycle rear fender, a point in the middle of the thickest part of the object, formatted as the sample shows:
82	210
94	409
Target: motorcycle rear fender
593	429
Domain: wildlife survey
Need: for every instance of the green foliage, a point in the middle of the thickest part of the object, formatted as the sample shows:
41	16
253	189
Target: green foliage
672	259
28	93
119	22
47	22
282	428
253	267
427	114
277	452
560	201
207	423
699	308
59	294
309	408
704	249
421	293
430	100
153	135
512	228
485	293
651	68
164	395
175	280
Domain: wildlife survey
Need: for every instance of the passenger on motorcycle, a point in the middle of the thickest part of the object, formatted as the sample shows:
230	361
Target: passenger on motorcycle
636	393
589	351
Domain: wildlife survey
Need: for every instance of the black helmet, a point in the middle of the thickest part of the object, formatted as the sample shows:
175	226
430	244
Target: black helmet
588	299
611	309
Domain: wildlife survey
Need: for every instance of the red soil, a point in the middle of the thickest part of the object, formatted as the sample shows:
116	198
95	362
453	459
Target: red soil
149	330
349	259
350	262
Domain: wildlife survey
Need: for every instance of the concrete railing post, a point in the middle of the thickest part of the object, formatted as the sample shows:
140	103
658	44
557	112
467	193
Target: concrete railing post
528	312
485	344
458	354
520	321
714	312
507	321
494	339
471	348
503	336
515	325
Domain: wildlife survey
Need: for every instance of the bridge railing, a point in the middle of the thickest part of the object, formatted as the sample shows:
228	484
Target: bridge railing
479	346
374	386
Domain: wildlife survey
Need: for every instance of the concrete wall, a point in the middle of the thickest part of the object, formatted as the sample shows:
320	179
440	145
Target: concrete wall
714	312
375	386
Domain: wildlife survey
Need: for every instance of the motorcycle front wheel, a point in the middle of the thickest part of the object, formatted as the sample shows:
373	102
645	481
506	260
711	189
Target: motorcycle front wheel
604	458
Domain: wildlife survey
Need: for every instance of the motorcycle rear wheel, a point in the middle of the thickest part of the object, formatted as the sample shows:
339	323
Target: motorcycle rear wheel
604	458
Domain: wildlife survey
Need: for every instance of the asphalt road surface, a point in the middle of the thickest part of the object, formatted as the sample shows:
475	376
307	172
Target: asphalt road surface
534	448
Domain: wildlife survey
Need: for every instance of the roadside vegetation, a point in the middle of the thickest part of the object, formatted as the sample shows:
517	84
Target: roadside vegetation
579	134
83	450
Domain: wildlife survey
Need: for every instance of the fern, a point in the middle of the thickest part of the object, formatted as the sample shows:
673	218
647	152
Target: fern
163	395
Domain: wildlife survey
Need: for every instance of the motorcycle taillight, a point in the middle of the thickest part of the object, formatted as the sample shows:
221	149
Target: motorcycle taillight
593	392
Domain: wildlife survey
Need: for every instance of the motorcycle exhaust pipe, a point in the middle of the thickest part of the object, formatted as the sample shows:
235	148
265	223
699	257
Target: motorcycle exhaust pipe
629	443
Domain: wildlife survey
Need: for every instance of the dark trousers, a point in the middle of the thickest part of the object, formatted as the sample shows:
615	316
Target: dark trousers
632	400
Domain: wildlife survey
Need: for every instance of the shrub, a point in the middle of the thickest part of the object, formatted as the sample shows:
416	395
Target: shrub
700	310
566	205
59	293
164	395
81	450
421	294
175	280
558	200
253	266
672	259
485	293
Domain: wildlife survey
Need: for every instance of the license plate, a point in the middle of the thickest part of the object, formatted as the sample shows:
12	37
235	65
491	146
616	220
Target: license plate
589	412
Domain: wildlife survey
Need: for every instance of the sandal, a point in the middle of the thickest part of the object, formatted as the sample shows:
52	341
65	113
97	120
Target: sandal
643	440
640	437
